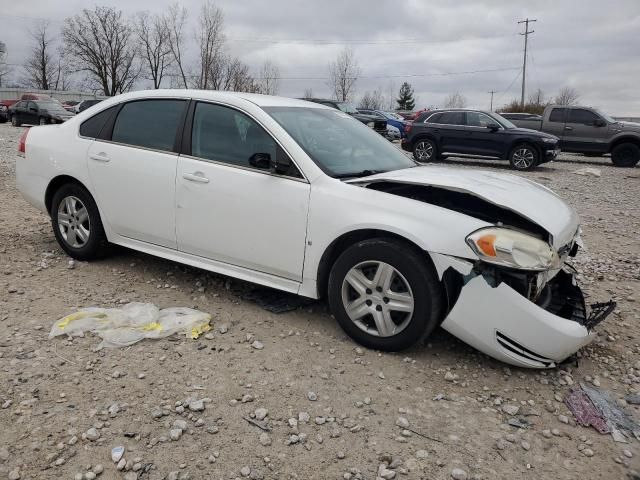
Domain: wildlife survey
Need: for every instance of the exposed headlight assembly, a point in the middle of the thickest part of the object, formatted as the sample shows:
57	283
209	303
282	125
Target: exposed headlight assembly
512	249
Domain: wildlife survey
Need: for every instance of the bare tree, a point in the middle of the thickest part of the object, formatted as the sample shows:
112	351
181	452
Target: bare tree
99	43
4	68
210	39
343	74
153	38
174	21
40	65
567	96
455	100
308	93
269	80
372	100
537	98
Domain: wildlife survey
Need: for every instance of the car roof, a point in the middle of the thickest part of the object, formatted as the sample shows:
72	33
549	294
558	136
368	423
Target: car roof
217	95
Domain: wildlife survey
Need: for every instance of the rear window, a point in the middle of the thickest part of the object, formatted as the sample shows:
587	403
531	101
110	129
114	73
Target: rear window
557	115
92	127
149	123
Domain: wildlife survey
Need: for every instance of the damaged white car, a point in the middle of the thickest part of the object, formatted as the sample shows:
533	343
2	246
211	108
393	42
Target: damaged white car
303	198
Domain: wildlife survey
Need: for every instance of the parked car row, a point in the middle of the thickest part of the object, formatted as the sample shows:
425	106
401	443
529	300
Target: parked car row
40	109
376	123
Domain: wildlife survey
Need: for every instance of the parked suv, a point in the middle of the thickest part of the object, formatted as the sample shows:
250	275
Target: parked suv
378	124
474	133
590	132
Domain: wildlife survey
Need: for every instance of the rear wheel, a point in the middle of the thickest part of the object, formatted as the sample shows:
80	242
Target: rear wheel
76	223
384	294
625	155
14	120
524	157
425	150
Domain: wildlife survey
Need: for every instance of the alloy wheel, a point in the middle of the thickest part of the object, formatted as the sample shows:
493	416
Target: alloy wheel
424	151
377	298
74	222
523	158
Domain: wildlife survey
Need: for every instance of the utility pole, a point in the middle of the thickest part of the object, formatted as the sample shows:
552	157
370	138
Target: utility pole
524	63
491	92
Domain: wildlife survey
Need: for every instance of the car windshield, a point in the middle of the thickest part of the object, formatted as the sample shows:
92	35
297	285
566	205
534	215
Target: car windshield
347	107
501	120
339	144
51	106
605	116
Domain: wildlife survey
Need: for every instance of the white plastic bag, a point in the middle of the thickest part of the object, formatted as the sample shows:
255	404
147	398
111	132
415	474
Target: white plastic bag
121	327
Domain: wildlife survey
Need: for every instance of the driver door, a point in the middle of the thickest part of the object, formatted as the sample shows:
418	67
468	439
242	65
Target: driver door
231	211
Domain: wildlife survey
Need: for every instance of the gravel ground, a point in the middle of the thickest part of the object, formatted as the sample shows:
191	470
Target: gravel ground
335	411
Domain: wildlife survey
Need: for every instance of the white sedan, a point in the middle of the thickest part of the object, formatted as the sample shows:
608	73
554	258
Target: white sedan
303	198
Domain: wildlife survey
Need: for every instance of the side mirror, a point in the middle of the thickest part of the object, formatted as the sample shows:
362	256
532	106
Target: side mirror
600	123
494	127
282	164
260	160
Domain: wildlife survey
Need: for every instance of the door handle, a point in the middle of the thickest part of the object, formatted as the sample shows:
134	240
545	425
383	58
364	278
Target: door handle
100	157
567	127
197	177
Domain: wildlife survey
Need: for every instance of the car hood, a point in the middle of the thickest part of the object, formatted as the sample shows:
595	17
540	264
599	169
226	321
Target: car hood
629	126
529	199
363	117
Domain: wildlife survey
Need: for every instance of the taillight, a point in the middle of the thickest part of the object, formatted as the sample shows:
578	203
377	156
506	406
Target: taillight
407	128
22	144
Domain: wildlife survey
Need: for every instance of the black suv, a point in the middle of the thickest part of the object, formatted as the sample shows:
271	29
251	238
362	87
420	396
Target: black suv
474	133
379	125
37	112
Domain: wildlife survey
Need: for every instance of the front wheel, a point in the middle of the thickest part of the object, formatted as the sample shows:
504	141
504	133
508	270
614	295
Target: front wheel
76	223
14	121
42	121
425	151
524	157
384	294
625	155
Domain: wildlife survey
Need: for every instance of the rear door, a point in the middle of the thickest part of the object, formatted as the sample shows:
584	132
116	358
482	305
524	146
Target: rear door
555	123
482	140
31	113
451	130
133	171
585	131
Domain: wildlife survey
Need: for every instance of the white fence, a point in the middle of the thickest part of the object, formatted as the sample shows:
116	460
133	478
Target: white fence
16	93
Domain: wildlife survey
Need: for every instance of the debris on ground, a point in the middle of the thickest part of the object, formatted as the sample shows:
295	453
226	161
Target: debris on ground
595	407
275	301
588	171
121	327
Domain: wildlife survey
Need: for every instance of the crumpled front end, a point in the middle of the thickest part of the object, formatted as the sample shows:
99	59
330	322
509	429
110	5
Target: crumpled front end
521	318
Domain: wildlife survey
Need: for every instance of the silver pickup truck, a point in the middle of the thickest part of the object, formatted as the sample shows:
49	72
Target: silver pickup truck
586	130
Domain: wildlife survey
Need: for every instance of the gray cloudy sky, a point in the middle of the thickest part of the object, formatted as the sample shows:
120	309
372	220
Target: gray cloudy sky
591	45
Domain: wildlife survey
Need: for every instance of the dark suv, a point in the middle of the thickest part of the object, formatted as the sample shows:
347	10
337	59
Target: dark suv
379	125
474	133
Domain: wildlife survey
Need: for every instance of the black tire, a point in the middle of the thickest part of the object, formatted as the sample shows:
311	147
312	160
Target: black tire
96	245
625	155
524	157
425	150
14	121
42	121
419	275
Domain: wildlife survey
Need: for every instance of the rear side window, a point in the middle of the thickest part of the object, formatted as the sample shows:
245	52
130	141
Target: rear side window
557	115
578	115
149	123
92	127
451	118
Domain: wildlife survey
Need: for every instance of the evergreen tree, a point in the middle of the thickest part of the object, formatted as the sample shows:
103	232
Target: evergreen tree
405	98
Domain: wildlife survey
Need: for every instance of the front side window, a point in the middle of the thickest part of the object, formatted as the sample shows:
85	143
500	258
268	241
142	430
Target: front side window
557	115
229	136
339	144
478	119
149	123
579	115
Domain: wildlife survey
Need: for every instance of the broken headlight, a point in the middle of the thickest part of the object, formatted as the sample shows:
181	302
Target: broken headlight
513	249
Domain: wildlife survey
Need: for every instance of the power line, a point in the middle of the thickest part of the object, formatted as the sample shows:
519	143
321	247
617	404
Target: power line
508	89
524	64
409	75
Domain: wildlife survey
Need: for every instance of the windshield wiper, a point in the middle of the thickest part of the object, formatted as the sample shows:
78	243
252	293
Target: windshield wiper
362	173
